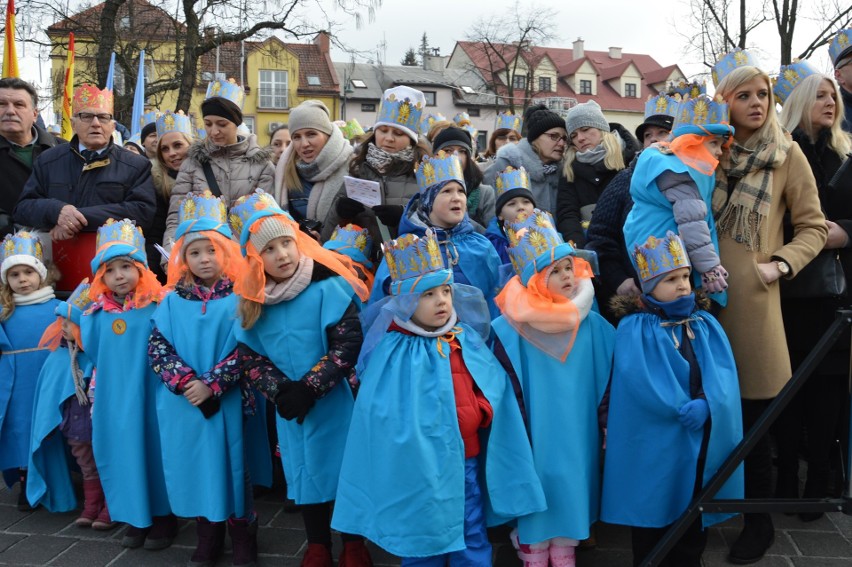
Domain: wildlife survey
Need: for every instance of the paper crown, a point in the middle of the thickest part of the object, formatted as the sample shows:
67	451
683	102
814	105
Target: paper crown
89	96
415	264
474	133
841	46
511	178
438	168
201	133
661	105
789	76
702	116
685	89
729	62
509	121
248	209
174	122
402	107
534	244
136	140
119	238
352	129
462	119
22	243
429	120
353	241
149	117
202	211
76	304
228	90
658	256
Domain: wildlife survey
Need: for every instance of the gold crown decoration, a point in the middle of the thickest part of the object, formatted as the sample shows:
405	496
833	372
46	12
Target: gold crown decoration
415	264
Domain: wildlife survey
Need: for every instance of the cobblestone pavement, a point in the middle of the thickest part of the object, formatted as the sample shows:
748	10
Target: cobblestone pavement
41	538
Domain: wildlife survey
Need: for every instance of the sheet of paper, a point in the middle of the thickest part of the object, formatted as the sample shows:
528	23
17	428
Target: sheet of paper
163	252
368	193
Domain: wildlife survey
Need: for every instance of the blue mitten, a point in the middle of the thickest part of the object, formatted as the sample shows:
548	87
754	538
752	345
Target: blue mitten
694	414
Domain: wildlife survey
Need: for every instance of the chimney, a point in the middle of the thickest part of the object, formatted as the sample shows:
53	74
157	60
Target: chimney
322	40
578	48
435	62
615	53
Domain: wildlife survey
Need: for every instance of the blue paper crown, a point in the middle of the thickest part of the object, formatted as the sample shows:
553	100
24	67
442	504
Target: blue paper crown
246	210
729	62
202	211
229	90
353	241
76	304
534	244
22	243
661	105
474	133
429	120
149	117
702	116
119	238
692	89
438	168
511	178
509	121
841	46
405	112
135	139
658	256
415	264
174	122
201	133
462	119
789	76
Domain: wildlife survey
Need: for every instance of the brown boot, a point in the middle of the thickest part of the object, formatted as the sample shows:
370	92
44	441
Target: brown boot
243	542
211	540
93	499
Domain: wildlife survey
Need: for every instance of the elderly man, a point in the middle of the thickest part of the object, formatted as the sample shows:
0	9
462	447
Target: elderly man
76	187
21	142
840	51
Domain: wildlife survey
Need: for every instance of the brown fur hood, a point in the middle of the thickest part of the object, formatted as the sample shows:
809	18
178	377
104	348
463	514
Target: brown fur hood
624	305
203	151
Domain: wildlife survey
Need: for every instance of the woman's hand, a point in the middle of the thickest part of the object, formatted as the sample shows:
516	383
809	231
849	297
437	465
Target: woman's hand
837	237
769	272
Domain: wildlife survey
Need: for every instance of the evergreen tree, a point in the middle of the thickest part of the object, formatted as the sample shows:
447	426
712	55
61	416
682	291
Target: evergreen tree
410	58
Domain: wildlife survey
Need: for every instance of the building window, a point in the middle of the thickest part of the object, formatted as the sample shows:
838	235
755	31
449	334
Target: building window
630	90
249	122
314	80
272	89
430	97
473	112
368	107
519	82
544	84
585	86
481	140
359	84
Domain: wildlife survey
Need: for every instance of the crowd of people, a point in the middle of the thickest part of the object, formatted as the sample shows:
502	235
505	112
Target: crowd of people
575	325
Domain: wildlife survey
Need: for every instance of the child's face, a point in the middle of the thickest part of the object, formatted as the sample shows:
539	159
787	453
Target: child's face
673	286
714	145
450	206
23	279
68	330
121	277
434	308
561	280
280	258
513	207
202	262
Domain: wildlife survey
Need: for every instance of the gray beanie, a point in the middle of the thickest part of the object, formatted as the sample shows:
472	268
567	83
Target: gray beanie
586	115
311	114
270	229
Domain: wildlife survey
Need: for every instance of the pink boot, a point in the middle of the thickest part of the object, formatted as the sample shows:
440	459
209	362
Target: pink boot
93	500
562	552
533	555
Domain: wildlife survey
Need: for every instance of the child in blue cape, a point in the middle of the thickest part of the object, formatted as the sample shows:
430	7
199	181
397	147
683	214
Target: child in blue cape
437	447
672	186
62	402
125	430
673	409
441	205
27	304
513	198
193	349
560	351
299	333
356	243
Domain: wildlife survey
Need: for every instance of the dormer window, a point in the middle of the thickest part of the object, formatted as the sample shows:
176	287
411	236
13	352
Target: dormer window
630	90
585	86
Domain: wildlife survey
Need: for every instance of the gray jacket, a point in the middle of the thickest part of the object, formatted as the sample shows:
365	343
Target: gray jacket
542	186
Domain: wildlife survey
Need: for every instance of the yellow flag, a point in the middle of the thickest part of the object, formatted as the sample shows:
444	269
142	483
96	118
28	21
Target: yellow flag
10	55
68	91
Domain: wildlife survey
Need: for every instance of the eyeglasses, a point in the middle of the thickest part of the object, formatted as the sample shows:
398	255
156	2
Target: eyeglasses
88	117
556	138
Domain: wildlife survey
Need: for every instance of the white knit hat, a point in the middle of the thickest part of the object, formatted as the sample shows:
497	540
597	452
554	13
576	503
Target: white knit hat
270	228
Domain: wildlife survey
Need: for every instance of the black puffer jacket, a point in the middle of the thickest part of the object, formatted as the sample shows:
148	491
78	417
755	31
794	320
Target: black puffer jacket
16	172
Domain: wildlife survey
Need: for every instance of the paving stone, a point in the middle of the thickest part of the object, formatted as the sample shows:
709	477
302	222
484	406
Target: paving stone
8	540
171	556
821	544
43	522
821	562
718	559
285	520
35	550
88	554
785	522
280	541
782	546
9	516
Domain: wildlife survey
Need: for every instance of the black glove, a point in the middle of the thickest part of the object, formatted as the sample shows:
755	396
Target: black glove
294	399
390	215
348	209
209	407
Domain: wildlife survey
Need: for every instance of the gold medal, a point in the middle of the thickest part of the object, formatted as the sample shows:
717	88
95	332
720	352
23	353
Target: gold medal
119	326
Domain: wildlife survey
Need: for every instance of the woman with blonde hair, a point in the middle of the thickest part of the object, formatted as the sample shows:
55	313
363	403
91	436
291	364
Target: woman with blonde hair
761	177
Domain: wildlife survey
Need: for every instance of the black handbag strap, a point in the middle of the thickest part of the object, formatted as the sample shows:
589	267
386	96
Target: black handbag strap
212	184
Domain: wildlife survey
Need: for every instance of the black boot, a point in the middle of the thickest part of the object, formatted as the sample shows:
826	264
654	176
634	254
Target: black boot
754	541
164	529
244	542
23	503
211	540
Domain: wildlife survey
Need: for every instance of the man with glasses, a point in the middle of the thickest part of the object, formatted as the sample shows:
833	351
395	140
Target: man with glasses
21	142
74	188
841	55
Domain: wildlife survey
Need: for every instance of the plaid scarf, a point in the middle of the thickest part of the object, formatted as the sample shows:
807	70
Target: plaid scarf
747	174
381	160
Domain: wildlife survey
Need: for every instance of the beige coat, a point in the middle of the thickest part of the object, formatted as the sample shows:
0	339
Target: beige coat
752	318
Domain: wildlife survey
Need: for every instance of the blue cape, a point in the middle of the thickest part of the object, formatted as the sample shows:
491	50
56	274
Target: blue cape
125	431
561	402
48	478
209	451
402	479
292	334
650	467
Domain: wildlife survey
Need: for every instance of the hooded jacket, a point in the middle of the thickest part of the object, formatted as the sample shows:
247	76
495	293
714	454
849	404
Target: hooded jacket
542	185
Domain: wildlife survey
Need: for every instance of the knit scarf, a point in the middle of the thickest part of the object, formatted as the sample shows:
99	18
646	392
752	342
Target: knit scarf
748	175
35	298
307	170
379	159
276	292
77	375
